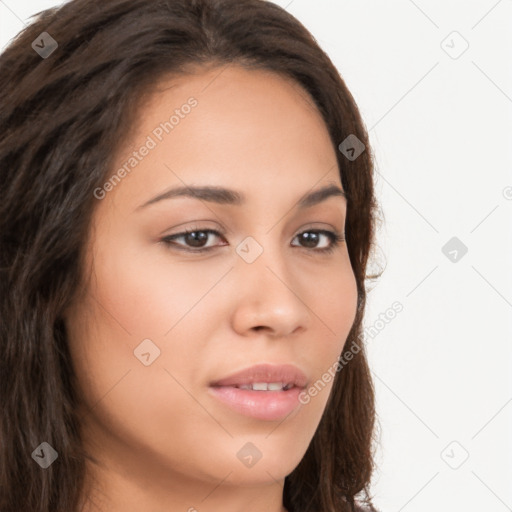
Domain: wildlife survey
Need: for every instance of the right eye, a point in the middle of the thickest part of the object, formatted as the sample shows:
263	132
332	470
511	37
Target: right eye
196	237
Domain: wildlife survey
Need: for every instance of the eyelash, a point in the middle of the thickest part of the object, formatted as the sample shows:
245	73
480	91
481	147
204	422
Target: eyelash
334	236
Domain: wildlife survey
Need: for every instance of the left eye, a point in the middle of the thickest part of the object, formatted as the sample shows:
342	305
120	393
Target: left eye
197	237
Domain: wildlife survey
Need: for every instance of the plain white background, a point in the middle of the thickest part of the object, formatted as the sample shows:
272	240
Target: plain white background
433	81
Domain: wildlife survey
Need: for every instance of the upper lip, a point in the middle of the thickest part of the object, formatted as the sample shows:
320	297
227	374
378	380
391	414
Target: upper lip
285	373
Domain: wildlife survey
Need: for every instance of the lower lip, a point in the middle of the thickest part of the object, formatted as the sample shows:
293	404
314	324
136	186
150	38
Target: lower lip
262	405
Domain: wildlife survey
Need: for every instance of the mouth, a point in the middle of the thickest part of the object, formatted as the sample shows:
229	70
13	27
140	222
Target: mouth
264	392
265	386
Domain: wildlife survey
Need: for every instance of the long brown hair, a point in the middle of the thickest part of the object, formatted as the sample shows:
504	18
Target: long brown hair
61	117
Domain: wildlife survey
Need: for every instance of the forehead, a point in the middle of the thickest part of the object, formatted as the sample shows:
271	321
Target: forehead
246	127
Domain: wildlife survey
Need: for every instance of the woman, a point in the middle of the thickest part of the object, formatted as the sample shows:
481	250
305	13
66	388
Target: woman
187	214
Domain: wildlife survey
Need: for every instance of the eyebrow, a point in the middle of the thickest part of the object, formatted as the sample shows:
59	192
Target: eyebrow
227	196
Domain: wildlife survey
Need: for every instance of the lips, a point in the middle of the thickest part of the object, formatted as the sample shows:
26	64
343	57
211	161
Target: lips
288	375
263	392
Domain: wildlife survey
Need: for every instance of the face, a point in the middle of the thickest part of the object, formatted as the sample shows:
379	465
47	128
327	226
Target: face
164	315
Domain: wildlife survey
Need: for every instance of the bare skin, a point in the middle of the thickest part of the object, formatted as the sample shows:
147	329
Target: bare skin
163	442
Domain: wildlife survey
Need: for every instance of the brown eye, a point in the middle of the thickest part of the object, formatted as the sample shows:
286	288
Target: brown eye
311	238
194	239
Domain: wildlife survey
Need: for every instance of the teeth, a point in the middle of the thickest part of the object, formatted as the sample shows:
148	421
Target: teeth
264	386
260	386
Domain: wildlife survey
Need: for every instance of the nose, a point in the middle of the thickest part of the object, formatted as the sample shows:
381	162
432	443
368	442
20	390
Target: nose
269	297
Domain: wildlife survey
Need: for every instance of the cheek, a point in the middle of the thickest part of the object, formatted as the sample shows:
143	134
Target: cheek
134	295
331	297
136	307
144	407
147	291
